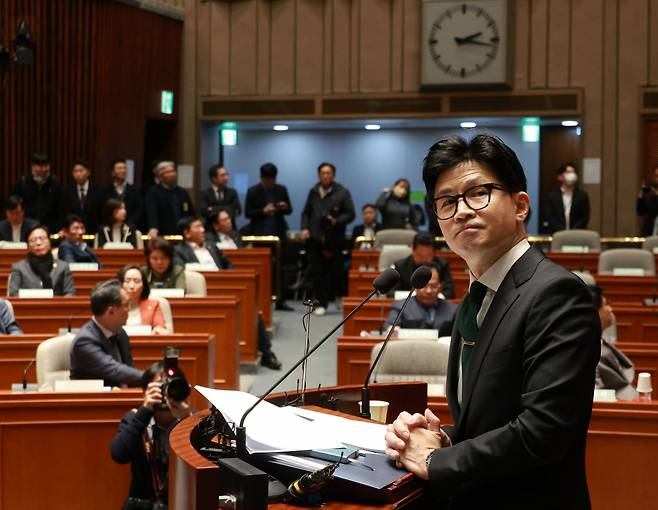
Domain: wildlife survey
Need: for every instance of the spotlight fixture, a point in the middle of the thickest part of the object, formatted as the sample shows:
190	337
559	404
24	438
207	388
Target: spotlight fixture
468	125
372	127
280	127
569	123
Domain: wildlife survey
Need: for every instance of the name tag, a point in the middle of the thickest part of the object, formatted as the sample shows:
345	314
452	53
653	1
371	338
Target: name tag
197	266
35	293
117	246
402	294
10	245
79	386
432	334
83	266
574	249
628	271
167	293
602	395
138	329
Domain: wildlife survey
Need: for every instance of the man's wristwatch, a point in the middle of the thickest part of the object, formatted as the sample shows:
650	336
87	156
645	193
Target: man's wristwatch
428	459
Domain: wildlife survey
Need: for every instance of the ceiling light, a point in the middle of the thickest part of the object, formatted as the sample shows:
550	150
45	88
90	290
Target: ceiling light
468	125
372	127
280	127
569	123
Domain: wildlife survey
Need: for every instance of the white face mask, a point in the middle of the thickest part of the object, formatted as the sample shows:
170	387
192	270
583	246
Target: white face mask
570	178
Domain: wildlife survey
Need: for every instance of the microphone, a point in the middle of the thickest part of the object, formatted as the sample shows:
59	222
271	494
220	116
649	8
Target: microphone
419	279
25	373
75	314
383	283
312	482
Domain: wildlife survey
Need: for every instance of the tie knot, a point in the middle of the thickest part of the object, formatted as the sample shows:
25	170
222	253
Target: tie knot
477	292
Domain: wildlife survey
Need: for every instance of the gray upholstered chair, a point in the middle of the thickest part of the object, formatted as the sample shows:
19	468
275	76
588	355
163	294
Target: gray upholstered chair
650	243
394	236
391	253
412	360
627	258
576	237
166	313
195	284
53	359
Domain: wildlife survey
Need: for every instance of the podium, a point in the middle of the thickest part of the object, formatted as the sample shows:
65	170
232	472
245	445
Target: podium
194	480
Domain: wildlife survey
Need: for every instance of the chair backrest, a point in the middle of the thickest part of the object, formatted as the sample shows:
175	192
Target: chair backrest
390	253
650	243
195	284
394	236
139	242
576	237
412	360
632	258
166	312
53	359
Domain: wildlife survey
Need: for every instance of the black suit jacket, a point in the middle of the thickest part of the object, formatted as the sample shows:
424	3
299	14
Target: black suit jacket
131	197
406	268
40	203
90	213
230	201
6	233
520	430
183	253
71	252
358	230
255	202
213	237
92	358
165	207
579	215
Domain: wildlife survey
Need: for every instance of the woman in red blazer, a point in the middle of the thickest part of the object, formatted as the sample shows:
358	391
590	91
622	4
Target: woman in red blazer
143	310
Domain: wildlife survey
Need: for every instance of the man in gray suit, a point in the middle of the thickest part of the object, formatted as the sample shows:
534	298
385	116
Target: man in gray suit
101	349
523	352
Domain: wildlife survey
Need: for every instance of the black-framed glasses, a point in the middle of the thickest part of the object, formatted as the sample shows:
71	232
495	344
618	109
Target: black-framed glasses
477	197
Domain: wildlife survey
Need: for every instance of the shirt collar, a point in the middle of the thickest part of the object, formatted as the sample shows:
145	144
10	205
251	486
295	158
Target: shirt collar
495	275
103	329
85	186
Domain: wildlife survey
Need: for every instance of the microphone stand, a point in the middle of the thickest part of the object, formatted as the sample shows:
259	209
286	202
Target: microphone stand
310	306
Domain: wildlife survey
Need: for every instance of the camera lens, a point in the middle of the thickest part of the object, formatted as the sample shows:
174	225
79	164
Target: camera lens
178	389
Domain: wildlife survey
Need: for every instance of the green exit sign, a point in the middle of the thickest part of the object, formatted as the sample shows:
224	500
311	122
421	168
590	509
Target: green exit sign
167	102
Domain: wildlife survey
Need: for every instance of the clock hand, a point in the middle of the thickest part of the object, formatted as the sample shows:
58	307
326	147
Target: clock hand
462	40
479	43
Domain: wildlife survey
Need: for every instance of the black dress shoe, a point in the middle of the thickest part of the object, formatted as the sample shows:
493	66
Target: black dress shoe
269	360
284	306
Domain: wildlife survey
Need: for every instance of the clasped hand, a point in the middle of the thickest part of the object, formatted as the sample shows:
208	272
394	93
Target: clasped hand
411	438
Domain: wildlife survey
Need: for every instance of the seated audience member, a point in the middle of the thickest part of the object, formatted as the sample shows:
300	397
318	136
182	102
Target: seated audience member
143	440
222	233
425	310
101	350
614	371
74	248
368	228
423	252
15	226
40	270
8	324
396	208
81	197
195	248
161	269
114	228
143	311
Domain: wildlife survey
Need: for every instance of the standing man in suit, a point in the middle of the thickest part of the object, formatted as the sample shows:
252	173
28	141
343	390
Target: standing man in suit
40	191
195	248
267	204
568	207
82	197
523	353
15	226
101	349
166	202
368	228
125	192
219	194
74	248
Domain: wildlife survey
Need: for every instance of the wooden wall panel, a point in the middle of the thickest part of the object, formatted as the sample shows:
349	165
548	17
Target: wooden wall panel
375	46
521	43
243	47
220	48
653	42
397	44
341	64
264	35
309	52
355	45
559	43
411	51
538	42
282	48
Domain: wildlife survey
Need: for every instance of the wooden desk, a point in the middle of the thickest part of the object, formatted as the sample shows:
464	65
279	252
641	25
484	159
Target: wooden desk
197	359
213	316
54	450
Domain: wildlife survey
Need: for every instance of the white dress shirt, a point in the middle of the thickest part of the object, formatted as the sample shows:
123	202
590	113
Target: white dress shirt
567	199
16	232
202	254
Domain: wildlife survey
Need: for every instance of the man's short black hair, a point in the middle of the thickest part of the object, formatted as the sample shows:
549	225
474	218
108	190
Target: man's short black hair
13	203
268	170
487	150
71	219
214	170
368	206
104	295
82	162
160	244
150	373
563	168
333	168
40	158
116	162
214	214
422	239
185	223
36	227
146	289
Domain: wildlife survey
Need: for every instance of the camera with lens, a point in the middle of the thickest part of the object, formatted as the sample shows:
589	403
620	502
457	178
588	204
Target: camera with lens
175	385
649	187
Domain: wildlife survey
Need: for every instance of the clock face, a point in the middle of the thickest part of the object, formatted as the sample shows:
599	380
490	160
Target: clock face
464	42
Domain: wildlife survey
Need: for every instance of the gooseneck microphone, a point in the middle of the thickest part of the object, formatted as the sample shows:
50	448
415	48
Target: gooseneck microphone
74	315
383	283
25	373
419	279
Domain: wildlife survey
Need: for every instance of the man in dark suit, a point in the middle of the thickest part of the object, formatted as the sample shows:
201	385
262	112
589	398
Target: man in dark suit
523	353
73	248
82	197
101	350
124	191
195	248
267	204
219	194
568	207
166	202
422	251
368	228
40	191
16	226
222	231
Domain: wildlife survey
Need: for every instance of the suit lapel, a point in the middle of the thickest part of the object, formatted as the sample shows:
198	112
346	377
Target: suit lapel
452	378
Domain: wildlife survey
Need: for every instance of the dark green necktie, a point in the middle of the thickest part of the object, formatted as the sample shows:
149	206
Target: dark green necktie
467	323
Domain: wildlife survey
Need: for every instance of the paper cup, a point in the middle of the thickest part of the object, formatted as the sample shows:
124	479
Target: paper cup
644	382
378	410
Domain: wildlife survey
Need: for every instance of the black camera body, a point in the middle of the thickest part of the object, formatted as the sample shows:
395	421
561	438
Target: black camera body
175	385
649	187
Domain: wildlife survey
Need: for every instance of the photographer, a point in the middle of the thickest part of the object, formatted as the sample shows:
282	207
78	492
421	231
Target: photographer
143	440
647	205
